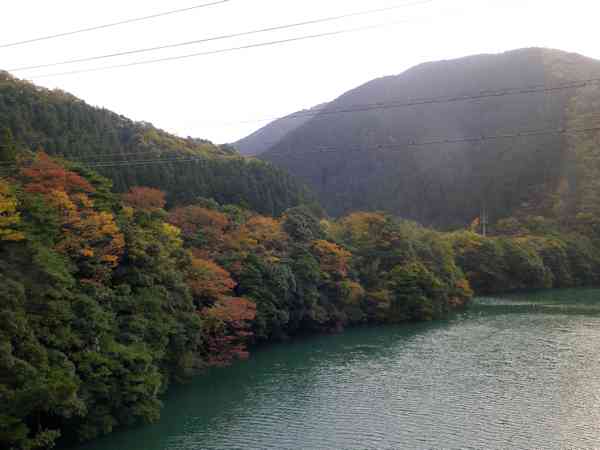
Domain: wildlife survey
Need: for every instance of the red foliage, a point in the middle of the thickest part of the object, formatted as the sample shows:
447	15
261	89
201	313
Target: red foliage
90	237
145	198
44	176
200	226
227	326
209	281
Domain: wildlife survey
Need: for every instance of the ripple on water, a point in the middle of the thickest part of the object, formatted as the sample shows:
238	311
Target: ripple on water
502	376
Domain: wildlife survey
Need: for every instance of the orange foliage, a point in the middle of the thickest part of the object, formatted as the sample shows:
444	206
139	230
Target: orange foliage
200	226
93	234
45	175
265	229
209	281
332	258
86	232
233	310
145	198
227	328
259	235
363	227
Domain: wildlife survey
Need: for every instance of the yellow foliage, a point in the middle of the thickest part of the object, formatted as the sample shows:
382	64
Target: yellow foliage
362	227
128	212
9	217
332	258
172	233
259	235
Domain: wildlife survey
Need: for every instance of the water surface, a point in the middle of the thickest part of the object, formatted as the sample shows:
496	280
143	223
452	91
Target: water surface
521	371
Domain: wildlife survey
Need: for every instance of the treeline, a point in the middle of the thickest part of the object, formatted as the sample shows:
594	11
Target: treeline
529	259
107	299
33	117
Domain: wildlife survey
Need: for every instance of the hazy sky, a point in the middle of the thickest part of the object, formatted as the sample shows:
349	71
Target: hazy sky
212	96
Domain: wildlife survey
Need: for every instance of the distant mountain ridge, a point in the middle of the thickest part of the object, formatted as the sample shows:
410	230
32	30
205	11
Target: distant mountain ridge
449	184
264	138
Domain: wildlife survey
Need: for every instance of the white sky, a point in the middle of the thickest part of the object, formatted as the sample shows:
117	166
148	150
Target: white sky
209	96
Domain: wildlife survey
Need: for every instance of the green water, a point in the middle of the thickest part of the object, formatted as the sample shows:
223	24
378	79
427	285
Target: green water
521	371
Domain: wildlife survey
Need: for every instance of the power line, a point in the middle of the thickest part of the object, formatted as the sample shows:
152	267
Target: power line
431	100
324	149
113	24
576	84
227	50
385	105
130	163
441	141
98	158
221	37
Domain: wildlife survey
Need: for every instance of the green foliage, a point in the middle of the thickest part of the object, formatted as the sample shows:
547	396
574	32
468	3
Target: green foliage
302	225
8	148
415	293
32	117
528	261
107	300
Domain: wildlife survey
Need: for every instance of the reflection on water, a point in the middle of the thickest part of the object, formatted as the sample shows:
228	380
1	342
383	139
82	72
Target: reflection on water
513	372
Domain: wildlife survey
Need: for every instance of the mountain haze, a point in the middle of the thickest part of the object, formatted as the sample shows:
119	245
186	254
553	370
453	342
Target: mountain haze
370	164
264	138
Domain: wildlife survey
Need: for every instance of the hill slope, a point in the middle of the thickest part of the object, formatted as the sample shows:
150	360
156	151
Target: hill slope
448	184
62	124
264	138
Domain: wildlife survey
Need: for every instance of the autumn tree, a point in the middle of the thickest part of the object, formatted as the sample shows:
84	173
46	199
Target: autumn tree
9	216
259	235
90	237
145	199
208	281
228	329
333	259
44	175
201	227
363	229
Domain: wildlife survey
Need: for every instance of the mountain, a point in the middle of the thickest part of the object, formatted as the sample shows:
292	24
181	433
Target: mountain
267	136
131	153
372	162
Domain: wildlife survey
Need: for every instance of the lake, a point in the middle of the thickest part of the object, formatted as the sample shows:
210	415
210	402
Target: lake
518	371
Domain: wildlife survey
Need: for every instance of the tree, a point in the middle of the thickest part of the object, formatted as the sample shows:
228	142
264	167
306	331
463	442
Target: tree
200	227
45	175
302	225
416	293
145	199
9	216
208	281
333	259
8	149
227	327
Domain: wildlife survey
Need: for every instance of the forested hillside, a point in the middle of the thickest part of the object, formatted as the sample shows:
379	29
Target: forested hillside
131	153
107	299
379	158
115	285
